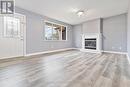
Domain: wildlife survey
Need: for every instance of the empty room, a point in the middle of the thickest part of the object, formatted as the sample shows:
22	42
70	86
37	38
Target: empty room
64	43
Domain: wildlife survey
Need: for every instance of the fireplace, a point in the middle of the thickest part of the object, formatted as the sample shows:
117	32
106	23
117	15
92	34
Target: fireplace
91	42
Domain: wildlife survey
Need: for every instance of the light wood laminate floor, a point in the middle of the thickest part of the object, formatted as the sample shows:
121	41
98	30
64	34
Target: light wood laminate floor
66	69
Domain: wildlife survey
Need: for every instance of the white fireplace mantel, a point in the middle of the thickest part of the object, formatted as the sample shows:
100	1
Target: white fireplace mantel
98	42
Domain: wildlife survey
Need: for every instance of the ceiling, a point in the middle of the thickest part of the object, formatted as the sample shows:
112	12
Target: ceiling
65	10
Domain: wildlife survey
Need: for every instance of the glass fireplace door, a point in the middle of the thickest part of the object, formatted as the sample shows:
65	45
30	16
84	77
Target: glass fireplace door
90	43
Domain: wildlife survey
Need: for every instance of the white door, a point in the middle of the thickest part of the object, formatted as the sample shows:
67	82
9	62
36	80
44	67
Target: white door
12	30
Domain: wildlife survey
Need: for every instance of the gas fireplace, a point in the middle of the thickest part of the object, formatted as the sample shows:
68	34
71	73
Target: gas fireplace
91	42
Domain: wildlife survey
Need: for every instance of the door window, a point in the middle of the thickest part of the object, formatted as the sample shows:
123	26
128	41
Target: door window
11	27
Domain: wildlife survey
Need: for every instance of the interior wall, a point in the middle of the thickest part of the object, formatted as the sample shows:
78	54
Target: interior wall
128	33
114	32
35	33
92	26
77	36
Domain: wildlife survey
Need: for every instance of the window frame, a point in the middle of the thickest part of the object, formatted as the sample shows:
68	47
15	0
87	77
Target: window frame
60	39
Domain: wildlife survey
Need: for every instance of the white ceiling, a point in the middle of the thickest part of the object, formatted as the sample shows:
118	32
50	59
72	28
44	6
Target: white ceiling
64	10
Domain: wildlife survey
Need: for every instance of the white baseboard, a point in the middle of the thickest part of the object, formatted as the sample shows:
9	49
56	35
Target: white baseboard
76	48
45	52
115	52
128	58
10	57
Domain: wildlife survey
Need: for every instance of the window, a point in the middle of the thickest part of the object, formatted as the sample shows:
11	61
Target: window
11	27
54	31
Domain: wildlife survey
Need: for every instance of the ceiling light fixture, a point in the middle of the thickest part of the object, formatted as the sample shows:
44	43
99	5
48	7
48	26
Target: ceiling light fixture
80	13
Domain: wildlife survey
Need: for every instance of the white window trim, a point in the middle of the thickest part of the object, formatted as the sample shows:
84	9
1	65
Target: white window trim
61	33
